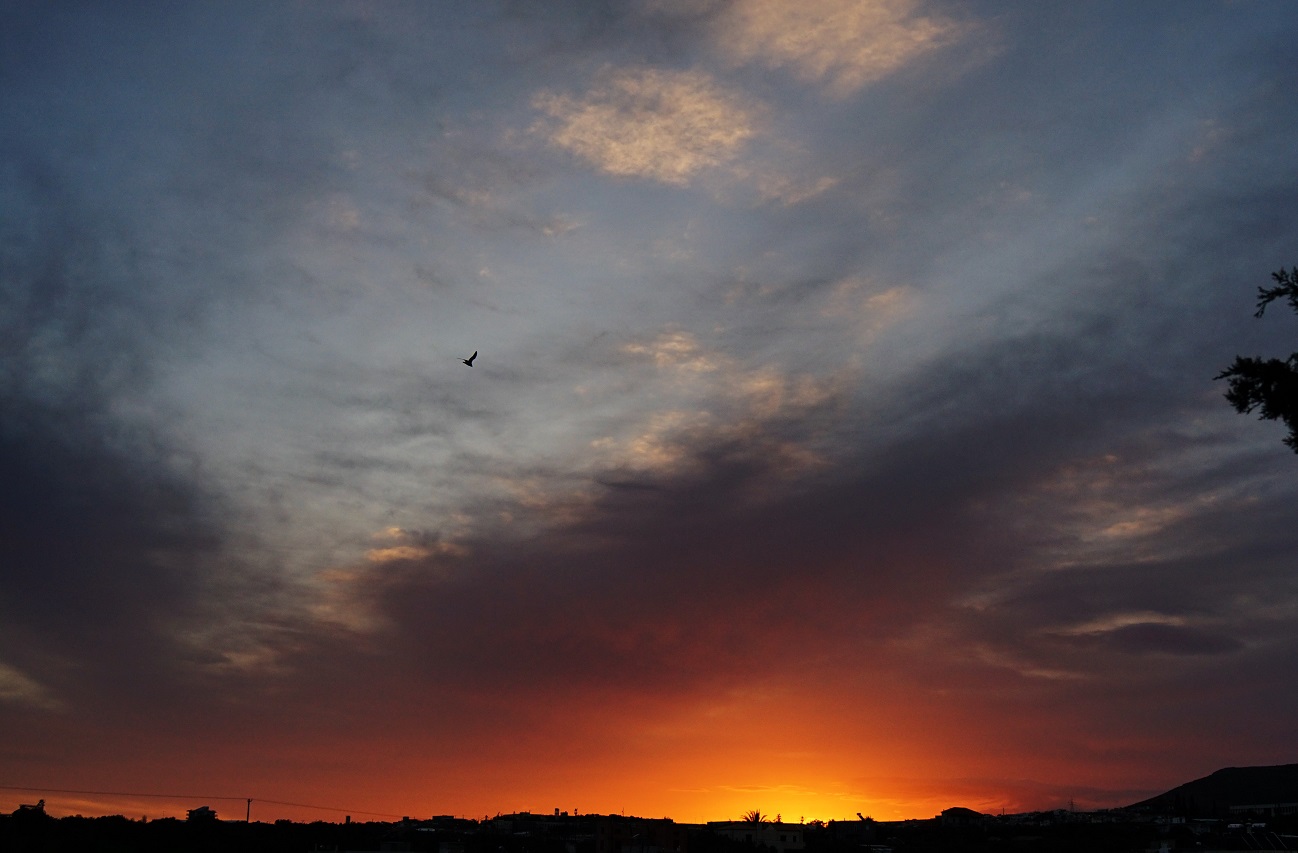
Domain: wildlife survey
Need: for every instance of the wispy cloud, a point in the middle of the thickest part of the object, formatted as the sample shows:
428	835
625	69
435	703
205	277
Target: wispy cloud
662	125
840	44
17	687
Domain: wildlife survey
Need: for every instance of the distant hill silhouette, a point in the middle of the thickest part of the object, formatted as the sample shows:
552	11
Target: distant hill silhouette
1230	786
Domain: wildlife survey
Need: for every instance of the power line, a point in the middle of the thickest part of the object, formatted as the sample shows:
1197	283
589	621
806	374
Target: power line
327	808
191	797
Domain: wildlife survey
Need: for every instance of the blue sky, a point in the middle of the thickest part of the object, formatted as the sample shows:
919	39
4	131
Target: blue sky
845	385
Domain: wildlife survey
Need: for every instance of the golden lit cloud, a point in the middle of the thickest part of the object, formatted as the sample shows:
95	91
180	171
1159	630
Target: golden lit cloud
769	392
715	398
648	123
657	448
411	546
843	44
400	552
676	350
340	594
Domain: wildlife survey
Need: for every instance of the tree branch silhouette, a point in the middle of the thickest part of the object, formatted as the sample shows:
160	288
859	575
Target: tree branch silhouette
1268	386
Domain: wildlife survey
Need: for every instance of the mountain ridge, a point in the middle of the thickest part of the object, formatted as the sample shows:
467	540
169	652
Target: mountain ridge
1216	793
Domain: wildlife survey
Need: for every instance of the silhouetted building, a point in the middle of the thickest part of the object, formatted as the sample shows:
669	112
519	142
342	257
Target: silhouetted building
200	814
38	806
863	831
26	811
640	835
1265	809
960	816
779	836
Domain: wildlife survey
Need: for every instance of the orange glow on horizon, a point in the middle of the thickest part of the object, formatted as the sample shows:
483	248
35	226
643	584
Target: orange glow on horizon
794	804
805	743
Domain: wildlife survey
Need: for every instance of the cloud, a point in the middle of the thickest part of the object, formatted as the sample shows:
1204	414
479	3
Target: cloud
409	545
1153	637
109	535
869	309
657	124
17	687
1118	621
710	398
675	349
842	44
1081	602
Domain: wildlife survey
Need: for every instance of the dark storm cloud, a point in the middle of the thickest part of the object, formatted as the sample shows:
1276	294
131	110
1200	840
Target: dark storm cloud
111	537
683	576
687	581
104	529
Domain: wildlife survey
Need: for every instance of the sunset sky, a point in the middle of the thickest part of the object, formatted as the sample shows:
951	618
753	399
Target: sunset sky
843	435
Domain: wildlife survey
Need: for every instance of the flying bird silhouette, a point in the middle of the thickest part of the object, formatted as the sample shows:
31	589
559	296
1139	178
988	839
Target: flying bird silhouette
469	360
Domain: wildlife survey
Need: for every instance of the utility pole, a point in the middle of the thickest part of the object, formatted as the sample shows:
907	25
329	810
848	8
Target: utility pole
247	817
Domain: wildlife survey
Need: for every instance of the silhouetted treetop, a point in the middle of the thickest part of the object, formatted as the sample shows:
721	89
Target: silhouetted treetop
1268	386
1286	284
